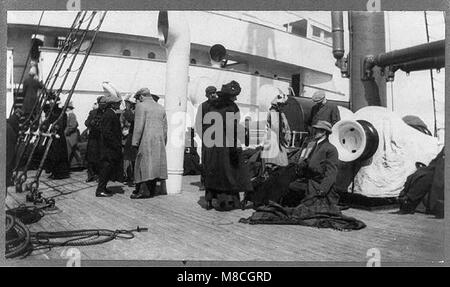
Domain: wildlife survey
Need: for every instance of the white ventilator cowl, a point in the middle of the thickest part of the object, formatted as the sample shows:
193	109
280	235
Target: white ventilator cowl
399	148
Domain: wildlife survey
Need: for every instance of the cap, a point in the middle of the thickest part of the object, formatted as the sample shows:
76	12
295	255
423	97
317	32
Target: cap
318	96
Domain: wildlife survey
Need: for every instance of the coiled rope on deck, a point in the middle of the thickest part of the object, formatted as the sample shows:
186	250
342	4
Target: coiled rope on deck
21	242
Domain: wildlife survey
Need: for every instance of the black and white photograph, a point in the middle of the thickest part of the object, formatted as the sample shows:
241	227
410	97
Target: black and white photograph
225	136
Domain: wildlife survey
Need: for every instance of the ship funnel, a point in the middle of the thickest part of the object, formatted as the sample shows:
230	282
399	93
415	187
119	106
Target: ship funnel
218	54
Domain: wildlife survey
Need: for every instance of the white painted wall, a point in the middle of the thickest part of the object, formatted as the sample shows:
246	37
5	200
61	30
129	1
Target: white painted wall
411	95
128	75
207	29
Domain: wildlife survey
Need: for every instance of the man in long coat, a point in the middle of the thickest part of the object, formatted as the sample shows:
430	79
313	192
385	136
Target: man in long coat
323	110
149	138
110	146
201	127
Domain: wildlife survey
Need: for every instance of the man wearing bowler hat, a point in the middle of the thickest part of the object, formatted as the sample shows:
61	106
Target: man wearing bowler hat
323	110
317	168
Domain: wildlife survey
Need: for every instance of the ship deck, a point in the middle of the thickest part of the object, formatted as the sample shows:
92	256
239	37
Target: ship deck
180	229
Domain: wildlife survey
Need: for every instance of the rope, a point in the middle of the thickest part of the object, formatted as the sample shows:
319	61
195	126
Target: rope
20	241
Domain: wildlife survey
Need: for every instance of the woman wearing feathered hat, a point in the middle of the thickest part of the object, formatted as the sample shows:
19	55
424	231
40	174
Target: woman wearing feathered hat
225	176
92	123
57	162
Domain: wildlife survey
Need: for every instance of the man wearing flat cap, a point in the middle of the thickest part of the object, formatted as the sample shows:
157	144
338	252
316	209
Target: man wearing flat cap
149	139
200	126
323	110
110	146
317	168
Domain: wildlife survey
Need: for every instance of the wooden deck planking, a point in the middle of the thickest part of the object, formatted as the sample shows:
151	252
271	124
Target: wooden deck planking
179	229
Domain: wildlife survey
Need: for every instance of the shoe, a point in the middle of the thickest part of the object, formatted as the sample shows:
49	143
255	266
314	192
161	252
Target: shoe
131	184
140	196
103	194
406	207
209	205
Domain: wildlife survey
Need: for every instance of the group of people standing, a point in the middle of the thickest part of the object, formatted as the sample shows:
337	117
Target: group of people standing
64	149
224	172
127	145
130	145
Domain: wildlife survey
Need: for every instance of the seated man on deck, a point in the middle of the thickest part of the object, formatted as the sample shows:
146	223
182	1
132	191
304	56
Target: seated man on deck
317	168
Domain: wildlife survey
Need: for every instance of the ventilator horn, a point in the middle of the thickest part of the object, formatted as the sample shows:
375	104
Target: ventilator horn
218	54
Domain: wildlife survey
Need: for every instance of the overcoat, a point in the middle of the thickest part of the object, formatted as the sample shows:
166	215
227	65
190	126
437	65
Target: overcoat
31	87
110	144
324	112
71	131
57	161
320	172
150	135
226	171
93	124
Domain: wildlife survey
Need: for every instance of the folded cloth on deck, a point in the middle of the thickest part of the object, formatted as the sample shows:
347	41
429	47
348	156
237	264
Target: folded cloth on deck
314	212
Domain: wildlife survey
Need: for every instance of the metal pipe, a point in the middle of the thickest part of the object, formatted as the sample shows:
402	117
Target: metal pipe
337	24
176	39
337	30
396	57
423	64
431	49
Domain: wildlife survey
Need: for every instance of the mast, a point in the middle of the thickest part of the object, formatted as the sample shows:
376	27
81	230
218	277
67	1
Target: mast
431	77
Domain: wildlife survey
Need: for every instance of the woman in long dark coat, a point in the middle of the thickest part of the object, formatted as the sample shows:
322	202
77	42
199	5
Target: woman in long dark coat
92	150
226	174
57	162
12	132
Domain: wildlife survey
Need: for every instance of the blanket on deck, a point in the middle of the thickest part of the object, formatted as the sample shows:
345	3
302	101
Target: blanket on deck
314	212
